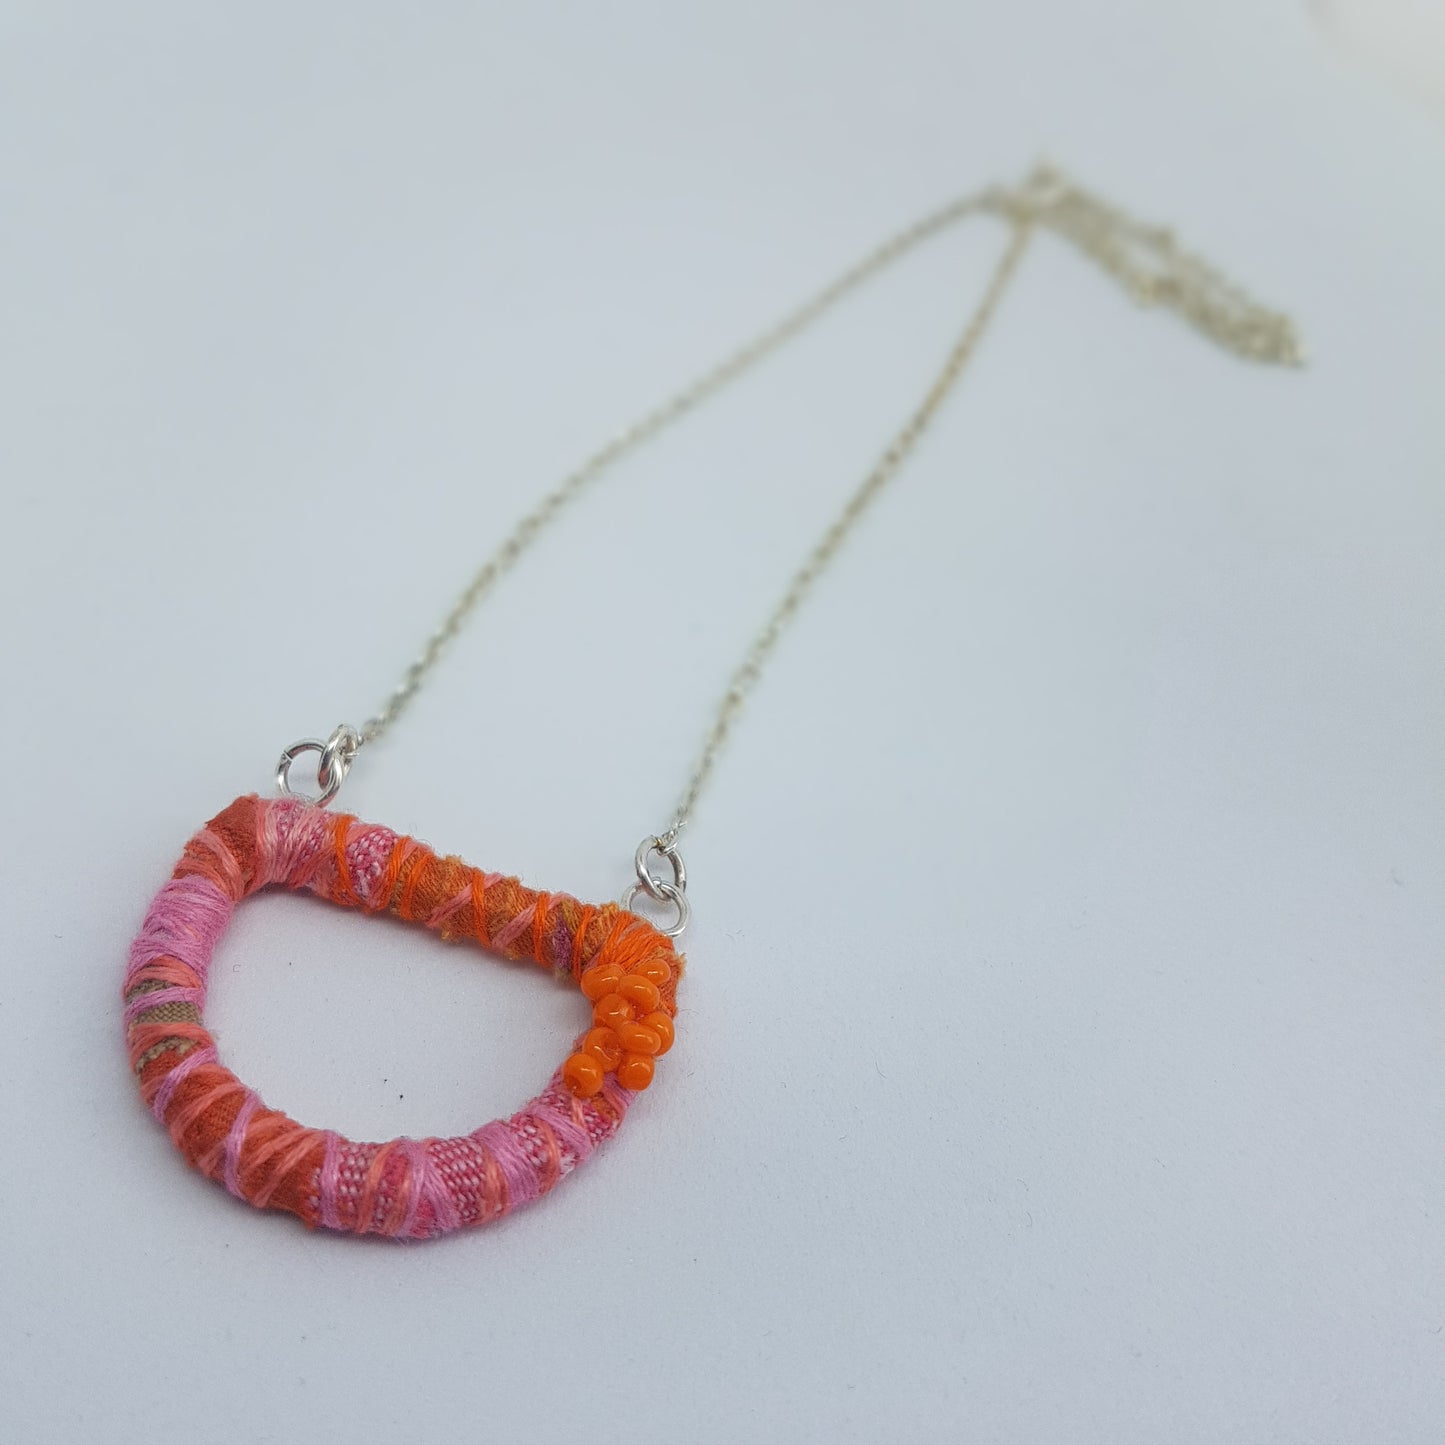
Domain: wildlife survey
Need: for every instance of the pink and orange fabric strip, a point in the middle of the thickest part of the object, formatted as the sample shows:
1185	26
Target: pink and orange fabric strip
405	1188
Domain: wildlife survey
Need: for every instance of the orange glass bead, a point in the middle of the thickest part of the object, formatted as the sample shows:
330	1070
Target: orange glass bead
635	1071
661	1025
639	1039
610	1010
604	1046
583	1074
655	970
600	979
641	991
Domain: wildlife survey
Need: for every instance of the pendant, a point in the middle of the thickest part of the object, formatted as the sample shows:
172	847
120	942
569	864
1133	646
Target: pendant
405	1188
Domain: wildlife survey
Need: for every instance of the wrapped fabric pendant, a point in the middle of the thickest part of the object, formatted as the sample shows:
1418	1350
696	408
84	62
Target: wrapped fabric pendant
405	1188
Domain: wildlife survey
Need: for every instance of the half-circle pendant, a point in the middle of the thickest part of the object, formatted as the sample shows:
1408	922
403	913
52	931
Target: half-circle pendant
405	1188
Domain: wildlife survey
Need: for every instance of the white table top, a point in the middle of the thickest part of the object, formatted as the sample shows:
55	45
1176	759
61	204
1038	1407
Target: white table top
1061	1053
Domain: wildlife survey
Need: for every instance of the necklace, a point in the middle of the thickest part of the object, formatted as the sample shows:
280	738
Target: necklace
625	963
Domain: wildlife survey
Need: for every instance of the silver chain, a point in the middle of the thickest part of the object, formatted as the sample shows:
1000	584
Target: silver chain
644	429
1146	259
891	462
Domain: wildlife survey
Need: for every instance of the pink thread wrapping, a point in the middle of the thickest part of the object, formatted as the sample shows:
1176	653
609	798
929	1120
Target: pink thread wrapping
405	1188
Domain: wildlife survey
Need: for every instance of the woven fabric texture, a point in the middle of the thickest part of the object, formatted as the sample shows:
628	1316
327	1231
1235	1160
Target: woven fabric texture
404	1188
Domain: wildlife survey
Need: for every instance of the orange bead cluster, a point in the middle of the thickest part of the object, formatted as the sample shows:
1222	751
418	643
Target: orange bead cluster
632	1025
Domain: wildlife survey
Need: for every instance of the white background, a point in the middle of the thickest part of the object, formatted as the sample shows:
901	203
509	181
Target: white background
1061	1055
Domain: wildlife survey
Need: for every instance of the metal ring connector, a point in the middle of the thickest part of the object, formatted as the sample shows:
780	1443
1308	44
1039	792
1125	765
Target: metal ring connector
336	756
659	889
650	885
666	892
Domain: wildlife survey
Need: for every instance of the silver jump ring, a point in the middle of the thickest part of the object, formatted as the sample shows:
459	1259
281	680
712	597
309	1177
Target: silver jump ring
336	754
670	893
650	884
